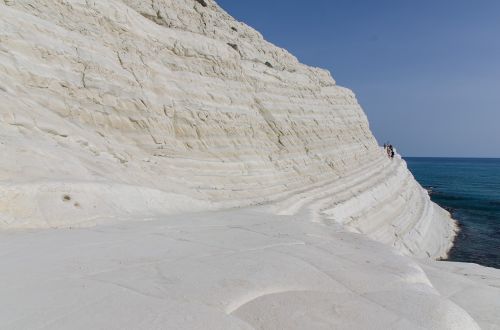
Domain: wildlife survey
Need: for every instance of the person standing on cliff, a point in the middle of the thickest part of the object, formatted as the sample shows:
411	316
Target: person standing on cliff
391	151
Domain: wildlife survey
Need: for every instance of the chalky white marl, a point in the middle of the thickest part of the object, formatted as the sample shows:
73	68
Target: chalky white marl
118	111
136	108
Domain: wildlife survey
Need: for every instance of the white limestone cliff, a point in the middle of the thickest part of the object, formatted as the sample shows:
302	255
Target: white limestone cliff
117	111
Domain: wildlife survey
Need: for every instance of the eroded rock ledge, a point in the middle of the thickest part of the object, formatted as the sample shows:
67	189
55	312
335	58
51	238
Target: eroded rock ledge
114	112
123	109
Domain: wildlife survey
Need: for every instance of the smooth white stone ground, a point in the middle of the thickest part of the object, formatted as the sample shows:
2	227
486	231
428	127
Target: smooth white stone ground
233	269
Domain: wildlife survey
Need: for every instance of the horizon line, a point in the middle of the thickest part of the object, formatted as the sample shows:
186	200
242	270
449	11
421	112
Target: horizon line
454	157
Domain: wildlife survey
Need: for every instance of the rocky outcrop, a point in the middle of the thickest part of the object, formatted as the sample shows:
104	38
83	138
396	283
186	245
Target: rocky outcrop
114	110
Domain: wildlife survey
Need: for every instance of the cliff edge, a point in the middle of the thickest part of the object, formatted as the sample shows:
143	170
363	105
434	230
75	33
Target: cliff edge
114	110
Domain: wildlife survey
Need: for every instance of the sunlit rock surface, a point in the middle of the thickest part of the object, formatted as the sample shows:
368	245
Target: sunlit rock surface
114	112
125	109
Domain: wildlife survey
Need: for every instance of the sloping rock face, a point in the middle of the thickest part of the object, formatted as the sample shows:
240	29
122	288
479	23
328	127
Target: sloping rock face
116	110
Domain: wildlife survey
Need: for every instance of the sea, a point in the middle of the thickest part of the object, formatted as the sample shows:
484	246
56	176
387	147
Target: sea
470	189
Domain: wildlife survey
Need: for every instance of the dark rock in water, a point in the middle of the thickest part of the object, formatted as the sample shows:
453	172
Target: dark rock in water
449	208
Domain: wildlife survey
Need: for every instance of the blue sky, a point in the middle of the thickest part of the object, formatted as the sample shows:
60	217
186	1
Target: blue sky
426	72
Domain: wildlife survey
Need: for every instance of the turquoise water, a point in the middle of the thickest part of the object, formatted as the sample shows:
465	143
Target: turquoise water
470	190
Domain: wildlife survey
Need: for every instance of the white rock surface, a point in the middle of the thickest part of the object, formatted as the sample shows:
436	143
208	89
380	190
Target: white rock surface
239	269
117	111
125	109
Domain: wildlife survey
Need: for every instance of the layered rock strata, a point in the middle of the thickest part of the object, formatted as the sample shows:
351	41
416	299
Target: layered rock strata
115	110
